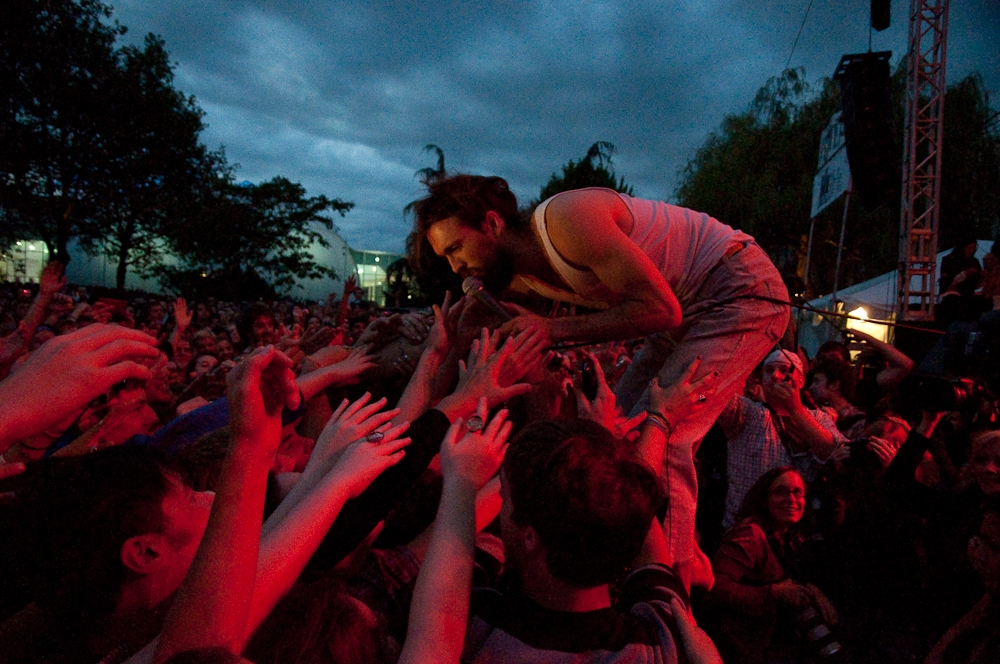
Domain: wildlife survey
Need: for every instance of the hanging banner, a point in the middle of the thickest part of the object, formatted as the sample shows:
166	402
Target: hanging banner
833	174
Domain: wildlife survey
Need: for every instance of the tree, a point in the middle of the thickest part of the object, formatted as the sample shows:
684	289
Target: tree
57	60
99	145
250	241
157	162
755	173
970	164
592	170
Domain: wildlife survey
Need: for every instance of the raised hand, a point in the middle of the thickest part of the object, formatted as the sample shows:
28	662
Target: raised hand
348	370
68	372
52	280
364	460
479	378
474	455
603	409
259	388
181	314
527	355
351	422
685	397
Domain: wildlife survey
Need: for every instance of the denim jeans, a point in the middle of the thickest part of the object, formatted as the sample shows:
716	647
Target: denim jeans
732	336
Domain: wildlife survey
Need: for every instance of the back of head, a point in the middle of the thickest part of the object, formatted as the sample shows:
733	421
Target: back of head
590	503
465	197
76	513
319	623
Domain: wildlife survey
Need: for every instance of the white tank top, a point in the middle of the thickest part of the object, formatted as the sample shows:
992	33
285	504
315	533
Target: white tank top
684	245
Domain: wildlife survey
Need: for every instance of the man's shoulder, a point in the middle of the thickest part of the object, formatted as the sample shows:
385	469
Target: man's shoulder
510	629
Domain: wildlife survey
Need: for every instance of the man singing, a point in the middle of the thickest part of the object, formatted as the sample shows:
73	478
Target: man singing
681	278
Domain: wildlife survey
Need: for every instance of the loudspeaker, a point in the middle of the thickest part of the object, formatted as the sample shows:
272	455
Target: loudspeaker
880	14
866	109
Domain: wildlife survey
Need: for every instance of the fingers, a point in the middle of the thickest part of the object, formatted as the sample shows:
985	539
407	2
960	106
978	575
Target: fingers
631	424
116	373
11	469
691	369
356	405
508	393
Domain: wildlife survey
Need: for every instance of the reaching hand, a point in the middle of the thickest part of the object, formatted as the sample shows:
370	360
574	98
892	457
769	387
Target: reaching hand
351	422
348	370
475	456
181	314
52	280
68	372
603	409
685	397
415	327
479	378
444	329
527	320
258	389
349	285
527	355
312	343
364	460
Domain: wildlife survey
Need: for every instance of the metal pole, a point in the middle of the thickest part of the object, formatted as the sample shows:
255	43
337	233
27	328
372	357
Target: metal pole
840	247
809	251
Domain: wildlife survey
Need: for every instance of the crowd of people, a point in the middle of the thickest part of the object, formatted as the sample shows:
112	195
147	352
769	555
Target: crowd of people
333	482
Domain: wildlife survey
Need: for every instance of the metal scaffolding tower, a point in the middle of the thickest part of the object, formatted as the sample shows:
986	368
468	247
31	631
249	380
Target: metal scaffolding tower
918	223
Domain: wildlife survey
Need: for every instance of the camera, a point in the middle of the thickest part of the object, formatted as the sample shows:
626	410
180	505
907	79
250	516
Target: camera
822	641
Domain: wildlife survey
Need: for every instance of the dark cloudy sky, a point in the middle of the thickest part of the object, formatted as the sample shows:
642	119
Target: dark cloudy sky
342	95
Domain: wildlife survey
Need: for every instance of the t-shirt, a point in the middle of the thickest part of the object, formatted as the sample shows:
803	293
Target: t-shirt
512	628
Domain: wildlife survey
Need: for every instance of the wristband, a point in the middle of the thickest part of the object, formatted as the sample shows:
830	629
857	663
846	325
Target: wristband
657	420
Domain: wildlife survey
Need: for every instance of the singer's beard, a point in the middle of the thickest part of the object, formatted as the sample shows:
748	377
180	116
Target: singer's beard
500	273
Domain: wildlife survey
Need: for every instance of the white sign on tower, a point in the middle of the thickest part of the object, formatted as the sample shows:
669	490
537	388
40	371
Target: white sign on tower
833	176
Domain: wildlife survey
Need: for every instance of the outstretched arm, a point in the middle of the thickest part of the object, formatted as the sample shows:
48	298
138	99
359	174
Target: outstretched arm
899	364
213	602
440	608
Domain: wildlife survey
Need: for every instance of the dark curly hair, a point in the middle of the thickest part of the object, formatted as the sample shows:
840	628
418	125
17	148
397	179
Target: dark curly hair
466	197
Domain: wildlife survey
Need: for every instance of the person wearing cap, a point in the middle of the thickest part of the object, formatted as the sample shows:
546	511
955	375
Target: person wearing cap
779	432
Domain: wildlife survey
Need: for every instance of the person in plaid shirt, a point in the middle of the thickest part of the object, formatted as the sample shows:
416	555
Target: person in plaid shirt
779	432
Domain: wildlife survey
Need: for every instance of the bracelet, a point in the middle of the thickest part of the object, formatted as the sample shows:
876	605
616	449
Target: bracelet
657	420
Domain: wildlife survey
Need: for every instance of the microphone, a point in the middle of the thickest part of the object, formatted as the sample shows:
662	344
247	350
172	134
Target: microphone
473	287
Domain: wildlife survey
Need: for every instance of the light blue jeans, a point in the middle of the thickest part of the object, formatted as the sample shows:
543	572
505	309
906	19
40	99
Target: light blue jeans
732	336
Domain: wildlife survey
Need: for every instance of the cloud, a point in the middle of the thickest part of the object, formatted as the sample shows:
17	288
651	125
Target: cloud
343	96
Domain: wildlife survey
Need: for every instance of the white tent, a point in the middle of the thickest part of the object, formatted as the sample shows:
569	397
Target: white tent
877	296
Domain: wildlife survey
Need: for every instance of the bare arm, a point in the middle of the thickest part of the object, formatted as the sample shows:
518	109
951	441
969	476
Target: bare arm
899	364
586	227
345	372
440	608
416	399
212	605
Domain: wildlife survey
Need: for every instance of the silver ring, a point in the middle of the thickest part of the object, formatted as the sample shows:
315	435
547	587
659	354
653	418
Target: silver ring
475	423
375	437
702	398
